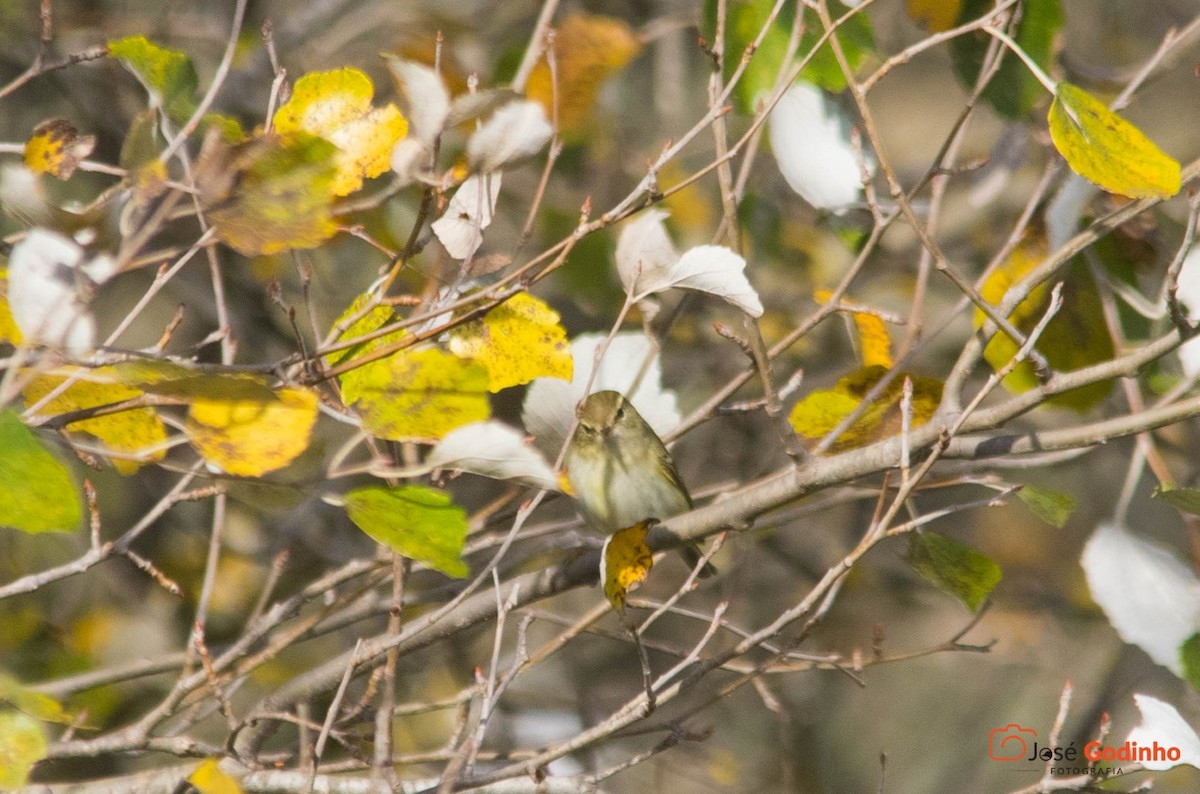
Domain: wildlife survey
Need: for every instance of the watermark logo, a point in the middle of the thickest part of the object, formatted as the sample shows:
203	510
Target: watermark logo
1010	742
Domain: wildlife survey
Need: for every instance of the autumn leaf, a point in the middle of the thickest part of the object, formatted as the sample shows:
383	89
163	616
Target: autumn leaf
1106	149
269	193
369	322
22	744
875	343
249	438
56	148
821	411
588	50
519	340
421	523
625	563
422	393
934	15
1076	337
138	430
336	105
209	779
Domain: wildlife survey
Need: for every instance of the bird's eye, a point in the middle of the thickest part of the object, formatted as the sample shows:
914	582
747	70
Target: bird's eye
620	413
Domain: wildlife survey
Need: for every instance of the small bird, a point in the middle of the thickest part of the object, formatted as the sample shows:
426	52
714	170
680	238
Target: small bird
620	471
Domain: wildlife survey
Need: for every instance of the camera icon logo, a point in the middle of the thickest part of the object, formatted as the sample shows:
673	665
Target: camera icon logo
1008	743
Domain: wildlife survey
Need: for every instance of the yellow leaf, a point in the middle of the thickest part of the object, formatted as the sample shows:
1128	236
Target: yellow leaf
9	332
269	193
587	50
934	15
209	779
626	563
56	147
519	340
139	430
821	411
371	321
421	394
1106	149
22	744
252	437
1077	337
875	343
337	106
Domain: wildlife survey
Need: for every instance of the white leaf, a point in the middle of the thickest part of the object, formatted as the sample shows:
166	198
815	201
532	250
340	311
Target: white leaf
42	293
470	212
495	450
549	407
426	99
1149	596
812	148
1162	724
514	132
716	270
645	252
409	157
1189	295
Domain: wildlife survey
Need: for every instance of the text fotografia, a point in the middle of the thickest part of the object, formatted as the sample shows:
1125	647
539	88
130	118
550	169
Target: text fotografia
1095	751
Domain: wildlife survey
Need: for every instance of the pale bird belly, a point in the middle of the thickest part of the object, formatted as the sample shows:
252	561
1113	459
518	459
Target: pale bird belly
630	499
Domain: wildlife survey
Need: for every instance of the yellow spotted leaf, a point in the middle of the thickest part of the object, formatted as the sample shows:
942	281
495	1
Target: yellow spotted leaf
587	50
336	105
56	147
369	322
1076	337
252	437
209	779
625	563
875	343
270	193
135	431
821	411
1106	149
22	744
421	394
519	340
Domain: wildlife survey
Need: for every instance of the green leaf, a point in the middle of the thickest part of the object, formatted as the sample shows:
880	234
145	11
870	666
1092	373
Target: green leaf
22	744
745	21
1185	499
855	36
1189	655
1051	506
45	708
168	75
1106	149
421	523
960	570
36	490
1014	91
